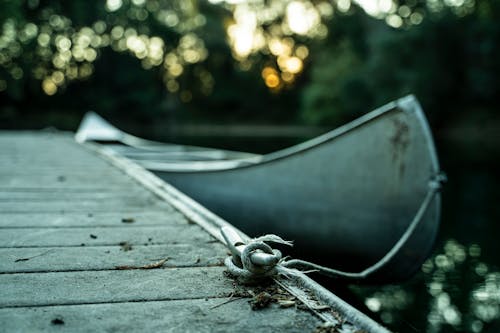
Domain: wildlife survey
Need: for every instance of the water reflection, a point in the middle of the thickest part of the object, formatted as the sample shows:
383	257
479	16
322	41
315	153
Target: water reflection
463	293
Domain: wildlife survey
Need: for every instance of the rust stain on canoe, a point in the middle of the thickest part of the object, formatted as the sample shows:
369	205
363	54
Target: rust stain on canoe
400	140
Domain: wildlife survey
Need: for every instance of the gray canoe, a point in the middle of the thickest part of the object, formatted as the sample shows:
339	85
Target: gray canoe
362	198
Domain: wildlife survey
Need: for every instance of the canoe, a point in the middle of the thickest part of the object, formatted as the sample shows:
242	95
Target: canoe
363	198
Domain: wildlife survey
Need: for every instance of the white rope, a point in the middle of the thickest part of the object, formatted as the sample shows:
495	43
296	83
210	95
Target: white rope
251	272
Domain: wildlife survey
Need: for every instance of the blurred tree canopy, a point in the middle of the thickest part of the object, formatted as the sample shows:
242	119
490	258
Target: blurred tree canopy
450	62
318	62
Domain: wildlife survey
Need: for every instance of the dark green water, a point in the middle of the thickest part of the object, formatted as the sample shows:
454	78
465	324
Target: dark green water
458	287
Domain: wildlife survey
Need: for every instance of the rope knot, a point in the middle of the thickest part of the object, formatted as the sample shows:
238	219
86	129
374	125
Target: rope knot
254	260
256	247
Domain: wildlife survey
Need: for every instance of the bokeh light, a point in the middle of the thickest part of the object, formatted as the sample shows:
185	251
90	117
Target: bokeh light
271	28
443	274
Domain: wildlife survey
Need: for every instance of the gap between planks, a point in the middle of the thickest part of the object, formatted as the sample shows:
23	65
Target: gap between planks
91	258
221	297
115	224
165	267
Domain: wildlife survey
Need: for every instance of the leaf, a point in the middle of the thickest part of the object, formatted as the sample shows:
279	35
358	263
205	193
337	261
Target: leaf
154	265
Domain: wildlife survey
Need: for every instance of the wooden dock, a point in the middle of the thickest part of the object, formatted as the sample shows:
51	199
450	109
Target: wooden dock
91	242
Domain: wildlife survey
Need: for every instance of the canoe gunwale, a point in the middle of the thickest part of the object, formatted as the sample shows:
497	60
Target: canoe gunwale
215	166
405	104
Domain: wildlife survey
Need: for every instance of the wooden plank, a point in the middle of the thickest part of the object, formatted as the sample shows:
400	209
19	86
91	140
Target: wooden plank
61	195
60	170
97	189
82	206
89	195
197	315
62	180
50	155
90	287
57	237
50	159
13	143
47	259
167	215
80	202
78	164
39	168
121	197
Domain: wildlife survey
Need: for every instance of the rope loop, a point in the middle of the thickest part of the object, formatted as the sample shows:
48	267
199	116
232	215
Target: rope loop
254	247
251	271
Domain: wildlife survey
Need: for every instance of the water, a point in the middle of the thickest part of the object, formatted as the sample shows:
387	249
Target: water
458	287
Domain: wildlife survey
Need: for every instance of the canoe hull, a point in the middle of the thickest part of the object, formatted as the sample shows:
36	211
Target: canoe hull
345	198
345	201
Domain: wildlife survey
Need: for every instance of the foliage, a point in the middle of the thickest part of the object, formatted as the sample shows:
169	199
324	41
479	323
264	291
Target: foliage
450	63
258	61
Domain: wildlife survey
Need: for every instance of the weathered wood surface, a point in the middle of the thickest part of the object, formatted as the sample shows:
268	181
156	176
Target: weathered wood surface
91	287
86	220
55	195
105	257
198	315
57	237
